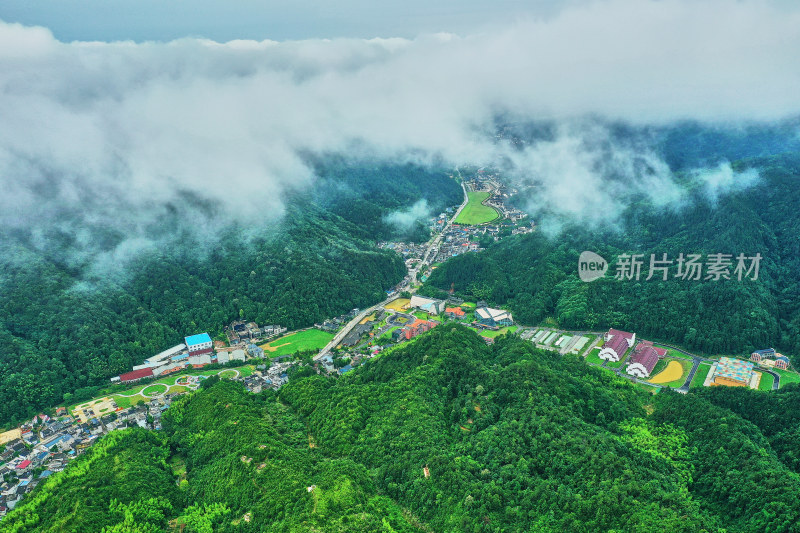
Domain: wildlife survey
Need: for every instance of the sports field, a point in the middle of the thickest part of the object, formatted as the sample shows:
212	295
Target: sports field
766	381
398	305
673	371
310	339
666	369
475	212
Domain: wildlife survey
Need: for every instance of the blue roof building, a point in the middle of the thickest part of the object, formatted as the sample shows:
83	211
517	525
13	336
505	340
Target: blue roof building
200	338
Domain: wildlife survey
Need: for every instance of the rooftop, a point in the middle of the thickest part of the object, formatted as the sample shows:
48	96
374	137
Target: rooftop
735	369
200	338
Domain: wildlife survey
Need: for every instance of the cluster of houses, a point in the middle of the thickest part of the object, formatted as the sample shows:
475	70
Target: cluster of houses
196	352
415	328
272	377
199	350
241	332
46	445
484	316
727	371
335	324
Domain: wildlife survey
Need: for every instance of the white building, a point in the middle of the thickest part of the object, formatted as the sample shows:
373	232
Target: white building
494	317
199	344
429	305
163	356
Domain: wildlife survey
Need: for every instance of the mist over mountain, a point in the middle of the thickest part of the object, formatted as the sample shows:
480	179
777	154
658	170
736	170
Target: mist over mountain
128	147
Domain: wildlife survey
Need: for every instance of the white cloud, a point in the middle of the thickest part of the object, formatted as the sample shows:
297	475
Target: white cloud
404	219
123	134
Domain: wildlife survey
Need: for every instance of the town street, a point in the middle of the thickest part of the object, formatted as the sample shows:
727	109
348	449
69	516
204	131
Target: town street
408	285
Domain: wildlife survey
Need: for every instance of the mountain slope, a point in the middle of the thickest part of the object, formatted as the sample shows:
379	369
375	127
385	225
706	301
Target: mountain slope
447	434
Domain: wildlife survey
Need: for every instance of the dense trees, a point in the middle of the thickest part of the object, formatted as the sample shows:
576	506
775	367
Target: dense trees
443	434
537	276
63	335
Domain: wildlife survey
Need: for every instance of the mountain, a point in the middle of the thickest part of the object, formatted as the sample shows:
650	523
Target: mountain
442	434
66	329
536	275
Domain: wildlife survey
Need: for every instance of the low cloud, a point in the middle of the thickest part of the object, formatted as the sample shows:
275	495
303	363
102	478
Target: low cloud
724	180
108	144
405	219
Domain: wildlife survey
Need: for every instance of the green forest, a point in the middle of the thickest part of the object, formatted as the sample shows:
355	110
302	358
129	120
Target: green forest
444	434
63	337
536	276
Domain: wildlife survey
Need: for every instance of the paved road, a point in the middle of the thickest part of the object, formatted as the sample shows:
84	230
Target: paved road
695	365
433	243
350	325
777	381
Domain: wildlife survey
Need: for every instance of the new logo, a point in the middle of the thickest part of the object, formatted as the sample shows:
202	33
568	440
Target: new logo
591	266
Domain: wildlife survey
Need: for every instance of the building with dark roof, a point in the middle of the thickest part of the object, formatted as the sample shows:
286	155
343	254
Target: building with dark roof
769	357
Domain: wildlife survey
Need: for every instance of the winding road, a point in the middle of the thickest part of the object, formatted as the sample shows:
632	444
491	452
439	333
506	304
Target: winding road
409	286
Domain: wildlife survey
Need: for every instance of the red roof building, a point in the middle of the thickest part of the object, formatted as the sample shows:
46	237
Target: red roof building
644	359
136	375
24	464
617	343
454	312
418	327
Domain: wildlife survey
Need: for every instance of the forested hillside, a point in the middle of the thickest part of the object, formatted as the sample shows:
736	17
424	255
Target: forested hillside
64	333
444	434
537	276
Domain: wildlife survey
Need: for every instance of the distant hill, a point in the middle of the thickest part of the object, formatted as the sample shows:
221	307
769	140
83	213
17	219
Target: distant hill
537	275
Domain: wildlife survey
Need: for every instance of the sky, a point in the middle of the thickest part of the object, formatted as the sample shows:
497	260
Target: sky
223	20
204	123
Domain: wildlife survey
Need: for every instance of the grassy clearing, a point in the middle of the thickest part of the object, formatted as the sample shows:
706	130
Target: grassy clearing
386	337
422	315
592	357
132	396
475	212
676	354
155	389
310	339
129	401
700	376
616	364
787	376
766	381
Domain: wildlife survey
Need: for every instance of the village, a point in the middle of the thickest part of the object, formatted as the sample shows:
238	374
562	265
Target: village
261	357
